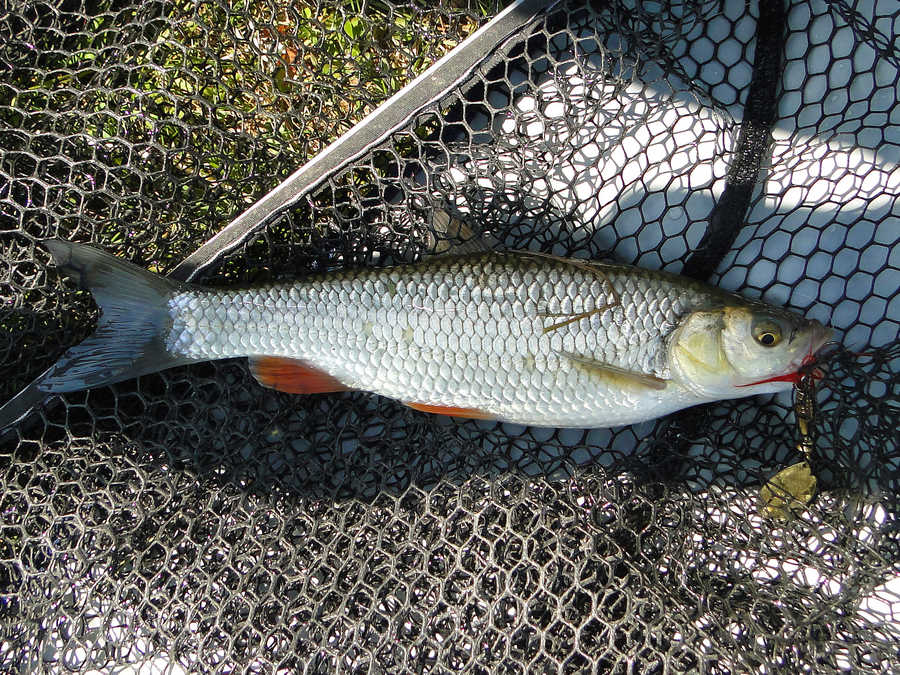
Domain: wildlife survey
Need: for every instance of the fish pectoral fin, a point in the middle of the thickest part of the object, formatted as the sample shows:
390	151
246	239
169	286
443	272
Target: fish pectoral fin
615	374
450	411
293	376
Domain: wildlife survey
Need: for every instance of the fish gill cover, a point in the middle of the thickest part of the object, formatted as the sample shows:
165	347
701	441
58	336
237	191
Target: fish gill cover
192	521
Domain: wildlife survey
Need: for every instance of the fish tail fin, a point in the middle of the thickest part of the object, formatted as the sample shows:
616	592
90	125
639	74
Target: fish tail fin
129	339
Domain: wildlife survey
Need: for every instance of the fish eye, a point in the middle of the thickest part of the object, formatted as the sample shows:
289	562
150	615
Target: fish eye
767	333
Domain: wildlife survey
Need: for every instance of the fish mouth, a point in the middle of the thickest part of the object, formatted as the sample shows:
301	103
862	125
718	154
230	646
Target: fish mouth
820	335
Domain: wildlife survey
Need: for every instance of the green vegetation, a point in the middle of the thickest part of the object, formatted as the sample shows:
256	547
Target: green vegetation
153	126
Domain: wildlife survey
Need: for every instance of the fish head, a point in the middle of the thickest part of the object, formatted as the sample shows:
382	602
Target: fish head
738	351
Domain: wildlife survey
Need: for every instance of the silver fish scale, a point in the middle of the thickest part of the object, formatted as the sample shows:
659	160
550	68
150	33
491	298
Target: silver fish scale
465	332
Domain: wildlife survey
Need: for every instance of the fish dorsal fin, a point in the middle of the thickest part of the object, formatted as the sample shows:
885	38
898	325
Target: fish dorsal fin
470	413
293	376
615	374
453	236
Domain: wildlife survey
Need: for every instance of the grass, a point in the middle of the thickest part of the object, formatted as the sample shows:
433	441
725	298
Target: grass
151	127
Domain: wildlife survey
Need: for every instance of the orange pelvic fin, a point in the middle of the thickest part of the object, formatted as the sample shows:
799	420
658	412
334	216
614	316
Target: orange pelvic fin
293	376
450	411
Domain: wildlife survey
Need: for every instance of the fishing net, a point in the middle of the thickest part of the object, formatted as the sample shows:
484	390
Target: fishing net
192	521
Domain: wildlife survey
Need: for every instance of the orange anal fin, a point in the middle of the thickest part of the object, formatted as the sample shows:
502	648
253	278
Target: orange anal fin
293	376
450	411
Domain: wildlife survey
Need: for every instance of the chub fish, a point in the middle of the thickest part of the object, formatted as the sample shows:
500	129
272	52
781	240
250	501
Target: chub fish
513	336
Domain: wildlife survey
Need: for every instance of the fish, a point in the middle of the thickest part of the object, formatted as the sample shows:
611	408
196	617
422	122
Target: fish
512	336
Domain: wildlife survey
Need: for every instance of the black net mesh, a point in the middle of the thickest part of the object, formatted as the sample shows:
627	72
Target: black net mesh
192	521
